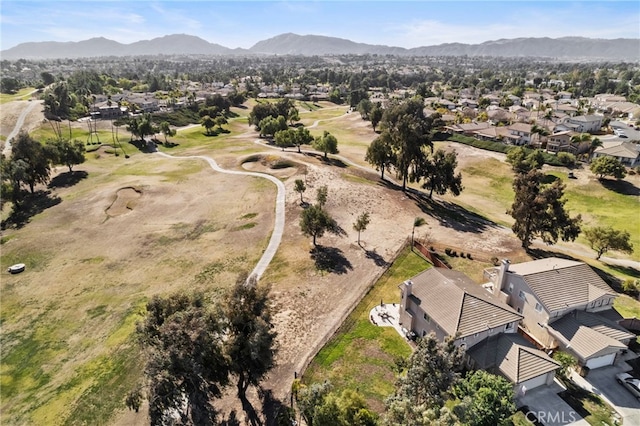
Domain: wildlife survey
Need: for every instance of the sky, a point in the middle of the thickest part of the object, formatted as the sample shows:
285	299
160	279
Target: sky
243	23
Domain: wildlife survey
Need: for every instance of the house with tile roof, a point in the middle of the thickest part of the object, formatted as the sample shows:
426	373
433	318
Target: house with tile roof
447	303
627	153
515	358
561	300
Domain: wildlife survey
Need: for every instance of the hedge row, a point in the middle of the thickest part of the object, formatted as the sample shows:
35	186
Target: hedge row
549	159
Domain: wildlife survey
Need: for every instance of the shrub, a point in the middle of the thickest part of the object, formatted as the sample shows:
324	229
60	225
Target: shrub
454	253
495	261
567	159
631	287
469	256
447	251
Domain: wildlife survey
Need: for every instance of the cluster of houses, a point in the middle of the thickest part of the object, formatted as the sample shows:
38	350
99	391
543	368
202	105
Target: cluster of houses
511	324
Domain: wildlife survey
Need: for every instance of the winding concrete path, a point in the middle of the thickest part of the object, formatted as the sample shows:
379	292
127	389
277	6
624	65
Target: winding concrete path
23	115
278	228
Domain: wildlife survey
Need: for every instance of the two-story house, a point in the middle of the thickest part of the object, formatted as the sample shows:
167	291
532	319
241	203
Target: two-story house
449	304
586	123
548	292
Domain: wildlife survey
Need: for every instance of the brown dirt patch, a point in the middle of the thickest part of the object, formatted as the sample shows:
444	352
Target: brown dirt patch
124	202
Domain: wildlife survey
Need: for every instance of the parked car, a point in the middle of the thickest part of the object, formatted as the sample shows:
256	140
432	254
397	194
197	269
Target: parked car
16	269
631	383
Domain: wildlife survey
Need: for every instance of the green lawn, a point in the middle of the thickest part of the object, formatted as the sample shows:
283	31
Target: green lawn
361	356
20	95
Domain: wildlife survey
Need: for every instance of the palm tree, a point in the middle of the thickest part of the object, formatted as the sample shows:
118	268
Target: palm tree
595	144
578	142
540	131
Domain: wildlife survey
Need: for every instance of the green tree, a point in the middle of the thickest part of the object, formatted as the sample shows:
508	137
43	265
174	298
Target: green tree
434	368
408	132
166	130
375	116
47	78
146	126
36	158
208	123
66	152
321	196
13	173
249	341
485	400
539	210
284	138
379	154
593	145
319	406
602	239
439	174
270	126
364	108
300	187
186	369
293	137
220	121
361	224
9	85
522	161
314	222
326	143
567	361
608	166
302	137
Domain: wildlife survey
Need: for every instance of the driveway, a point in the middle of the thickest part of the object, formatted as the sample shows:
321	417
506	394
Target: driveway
551	410
603	383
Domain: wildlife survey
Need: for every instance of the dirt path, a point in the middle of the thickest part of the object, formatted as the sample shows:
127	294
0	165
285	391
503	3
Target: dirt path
18	125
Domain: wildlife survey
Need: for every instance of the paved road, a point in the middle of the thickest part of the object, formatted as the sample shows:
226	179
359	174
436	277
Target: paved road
7	145
278	228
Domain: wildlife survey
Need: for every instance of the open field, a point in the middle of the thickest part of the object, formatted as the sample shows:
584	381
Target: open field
146	225
21	95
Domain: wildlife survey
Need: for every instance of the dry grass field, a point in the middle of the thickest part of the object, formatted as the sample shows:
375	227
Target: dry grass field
132	228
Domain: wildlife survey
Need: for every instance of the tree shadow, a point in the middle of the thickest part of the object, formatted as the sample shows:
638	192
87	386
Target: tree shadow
170	144
450	215
621	187
31	205
329	160
549	179
330	259
146	146
247	407
274	411
377	259
231	420
67	179
626	270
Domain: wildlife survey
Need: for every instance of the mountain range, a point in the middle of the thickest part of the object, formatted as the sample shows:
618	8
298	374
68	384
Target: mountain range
571	48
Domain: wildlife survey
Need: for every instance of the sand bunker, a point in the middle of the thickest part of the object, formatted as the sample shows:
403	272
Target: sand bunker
125	201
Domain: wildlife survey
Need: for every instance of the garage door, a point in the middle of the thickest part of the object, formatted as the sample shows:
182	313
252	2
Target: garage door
601	361
535	382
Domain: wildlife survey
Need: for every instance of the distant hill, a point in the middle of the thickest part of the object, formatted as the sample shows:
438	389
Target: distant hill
309	45
176	44
568	48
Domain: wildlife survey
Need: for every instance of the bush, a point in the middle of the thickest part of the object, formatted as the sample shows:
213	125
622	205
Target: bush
454	253
447	251
567	159
469	256
631	287
495	261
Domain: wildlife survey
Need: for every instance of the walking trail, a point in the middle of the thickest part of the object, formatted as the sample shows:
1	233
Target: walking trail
19	123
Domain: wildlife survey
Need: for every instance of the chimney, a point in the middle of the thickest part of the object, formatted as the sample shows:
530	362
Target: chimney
502	272
408	286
